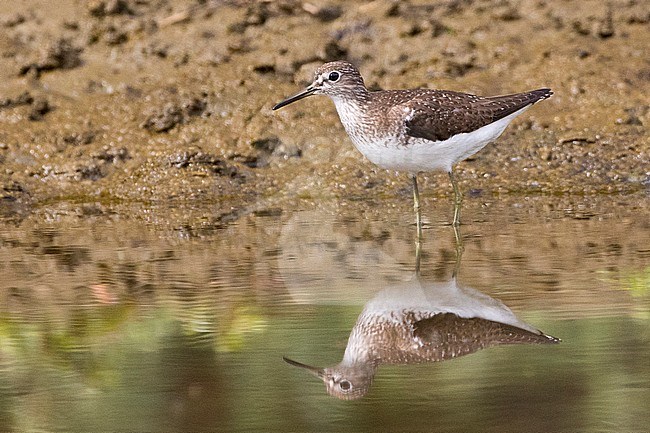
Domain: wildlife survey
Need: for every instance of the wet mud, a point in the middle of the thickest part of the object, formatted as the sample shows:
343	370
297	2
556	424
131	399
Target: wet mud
111	102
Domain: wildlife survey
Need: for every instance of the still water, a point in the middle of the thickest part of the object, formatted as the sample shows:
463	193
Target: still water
115	324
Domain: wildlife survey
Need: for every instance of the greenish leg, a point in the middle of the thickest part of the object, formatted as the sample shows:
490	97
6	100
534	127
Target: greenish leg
418	222
458	199
416	205
459	249
418	255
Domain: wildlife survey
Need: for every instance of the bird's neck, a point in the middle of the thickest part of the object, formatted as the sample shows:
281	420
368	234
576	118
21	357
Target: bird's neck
356	99
359	349
353	110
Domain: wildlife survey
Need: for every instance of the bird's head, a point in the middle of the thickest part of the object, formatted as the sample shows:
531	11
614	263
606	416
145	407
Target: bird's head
342	382
334	79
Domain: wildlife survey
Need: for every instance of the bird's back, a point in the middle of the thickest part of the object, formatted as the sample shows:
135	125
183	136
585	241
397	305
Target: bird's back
419	337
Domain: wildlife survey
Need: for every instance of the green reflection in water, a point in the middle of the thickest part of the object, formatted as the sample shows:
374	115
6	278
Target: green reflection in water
121	368
638	283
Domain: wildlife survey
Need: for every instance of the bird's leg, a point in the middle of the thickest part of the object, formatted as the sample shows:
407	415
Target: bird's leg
418	222
416	205
418	255
459	249
458	199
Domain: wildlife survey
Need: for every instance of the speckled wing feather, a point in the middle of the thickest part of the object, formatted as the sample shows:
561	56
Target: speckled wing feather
439	114
447	335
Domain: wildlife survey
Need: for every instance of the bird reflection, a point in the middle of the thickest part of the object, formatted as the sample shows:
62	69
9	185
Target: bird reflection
421	322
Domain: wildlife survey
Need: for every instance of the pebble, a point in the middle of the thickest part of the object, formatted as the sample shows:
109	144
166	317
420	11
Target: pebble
40	107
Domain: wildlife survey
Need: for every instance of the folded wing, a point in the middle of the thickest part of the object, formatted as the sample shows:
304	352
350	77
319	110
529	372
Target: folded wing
439	115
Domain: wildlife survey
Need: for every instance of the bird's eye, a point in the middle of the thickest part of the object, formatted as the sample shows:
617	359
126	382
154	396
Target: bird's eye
345	385
334	76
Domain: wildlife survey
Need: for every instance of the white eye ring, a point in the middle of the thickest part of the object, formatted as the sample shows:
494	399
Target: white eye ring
334	76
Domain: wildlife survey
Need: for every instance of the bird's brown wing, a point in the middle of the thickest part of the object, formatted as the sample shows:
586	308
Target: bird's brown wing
447	335
438	115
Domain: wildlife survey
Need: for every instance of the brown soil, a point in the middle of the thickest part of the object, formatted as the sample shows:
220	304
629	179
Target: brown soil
122	101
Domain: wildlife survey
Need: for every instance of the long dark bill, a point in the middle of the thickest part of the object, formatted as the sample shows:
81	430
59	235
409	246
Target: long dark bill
318	372
307	92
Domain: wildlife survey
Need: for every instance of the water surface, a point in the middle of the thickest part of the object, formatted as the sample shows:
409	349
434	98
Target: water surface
113	324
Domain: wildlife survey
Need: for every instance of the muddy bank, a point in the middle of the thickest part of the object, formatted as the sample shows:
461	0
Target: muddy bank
117	101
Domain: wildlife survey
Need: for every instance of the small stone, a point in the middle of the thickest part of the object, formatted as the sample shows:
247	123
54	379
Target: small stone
412	29
112	155
59	55
394	9
268	144
437	28
113	36
638	17
576	89
214	57
238	27
193	106
605	28
12	20
273	147
324	13
545	154
23	99
460	65
102	8
577	140
581	27
632	117
164	120
507	13
114	7
40	107
75	139
91	171
264	68
333	51
195	158
257	14
239	46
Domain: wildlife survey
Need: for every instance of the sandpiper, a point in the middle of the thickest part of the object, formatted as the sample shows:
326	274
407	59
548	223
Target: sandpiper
420	322
418	130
